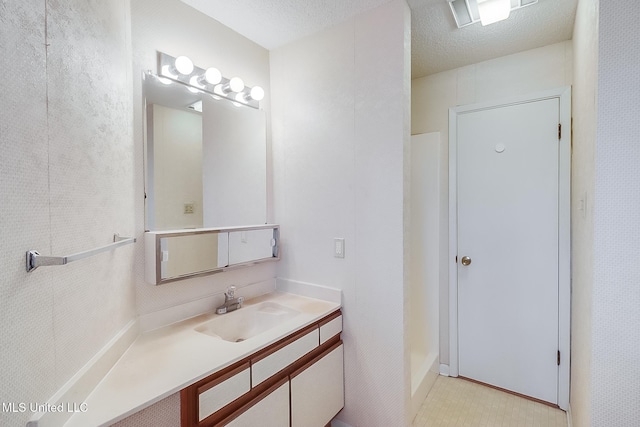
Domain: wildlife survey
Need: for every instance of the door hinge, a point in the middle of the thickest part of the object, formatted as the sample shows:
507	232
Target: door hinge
558	357
559	131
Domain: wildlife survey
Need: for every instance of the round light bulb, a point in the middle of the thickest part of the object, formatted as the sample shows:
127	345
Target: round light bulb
219	90
193	81
164	80
257	93
213	76
184	65
166	71
236	84
240	97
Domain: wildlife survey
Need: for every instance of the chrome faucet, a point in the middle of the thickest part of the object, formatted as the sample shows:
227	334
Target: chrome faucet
231	303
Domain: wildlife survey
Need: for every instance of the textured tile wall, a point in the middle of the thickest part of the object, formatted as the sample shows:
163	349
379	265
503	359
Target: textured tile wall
165	413
90	133
615	378
66	186
27	346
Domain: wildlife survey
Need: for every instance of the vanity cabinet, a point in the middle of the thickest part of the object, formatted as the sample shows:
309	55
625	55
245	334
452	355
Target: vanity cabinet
269	409
296	381
317	392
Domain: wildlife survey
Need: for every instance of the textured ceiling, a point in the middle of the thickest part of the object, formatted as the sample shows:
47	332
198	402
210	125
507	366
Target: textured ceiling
437	44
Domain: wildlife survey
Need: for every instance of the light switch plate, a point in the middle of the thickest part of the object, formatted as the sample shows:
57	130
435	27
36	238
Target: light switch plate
338	247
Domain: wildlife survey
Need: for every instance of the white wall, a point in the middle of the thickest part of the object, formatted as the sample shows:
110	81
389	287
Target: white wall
615	367
66	185
172	27
177	134
234	165
585	54
341	135
425	244
522	73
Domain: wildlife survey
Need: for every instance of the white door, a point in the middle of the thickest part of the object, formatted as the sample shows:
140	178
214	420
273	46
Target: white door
508	227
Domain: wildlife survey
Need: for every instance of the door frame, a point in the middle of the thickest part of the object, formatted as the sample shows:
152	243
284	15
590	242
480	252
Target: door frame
564	230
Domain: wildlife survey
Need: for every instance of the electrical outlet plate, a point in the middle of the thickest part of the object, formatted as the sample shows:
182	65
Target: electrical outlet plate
188	208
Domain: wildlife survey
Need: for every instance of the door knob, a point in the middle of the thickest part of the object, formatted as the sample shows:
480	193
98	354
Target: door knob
466	260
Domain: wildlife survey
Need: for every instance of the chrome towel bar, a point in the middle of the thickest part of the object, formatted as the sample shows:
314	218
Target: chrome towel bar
35	260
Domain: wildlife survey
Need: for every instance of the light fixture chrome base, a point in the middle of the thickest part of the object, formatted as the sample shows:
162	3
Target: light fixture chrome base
166	62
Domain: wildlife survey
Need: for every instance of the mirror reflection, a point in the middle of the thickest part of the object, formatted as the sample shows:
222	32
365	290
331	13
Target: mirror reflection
205	159
193	254
246	246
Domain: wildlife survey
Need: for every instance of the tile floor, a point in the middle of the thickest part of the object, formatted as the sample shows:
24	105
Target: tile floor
457	402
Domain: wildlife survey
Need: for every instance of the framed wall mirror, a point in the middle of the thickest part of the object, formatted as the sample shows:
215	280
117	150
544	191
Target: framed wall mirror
205	159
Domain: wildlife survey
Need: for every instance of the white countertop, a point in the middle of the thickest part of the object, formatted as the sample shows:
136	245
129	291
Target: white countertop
164	361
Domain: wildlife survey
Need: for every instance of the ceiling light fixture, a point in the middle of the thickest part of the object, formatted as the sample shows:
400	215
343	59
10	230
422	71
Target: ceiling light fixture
211	81
467	12
493	10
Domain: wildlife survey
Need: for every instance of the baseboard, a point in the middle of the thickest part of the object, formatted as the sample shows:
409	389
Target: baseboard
424	386
75	391
444	370
310	290
569	417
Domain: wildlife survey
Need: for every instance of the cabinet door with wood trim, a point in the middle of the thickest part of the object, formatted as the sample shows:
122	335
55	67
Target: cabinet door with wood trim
269	409
317	389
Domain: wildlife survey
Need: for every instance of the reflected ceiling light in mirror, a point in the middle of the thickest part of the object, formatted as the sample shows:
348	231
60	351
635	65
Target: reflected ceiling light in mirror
210	80
195	81
219	90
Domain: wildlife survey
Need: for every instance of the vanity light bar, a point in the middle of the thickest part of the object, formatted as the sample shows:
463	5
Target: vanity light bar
211	81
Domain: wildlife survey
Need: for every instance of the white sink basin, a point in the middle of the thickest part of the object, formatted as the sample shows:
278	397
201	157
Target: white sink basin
247	322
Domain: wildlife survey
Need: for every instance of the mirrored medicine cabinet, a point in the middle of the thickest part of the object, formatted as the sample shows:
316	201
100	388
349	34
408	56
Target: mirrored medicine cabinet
205	183
176	254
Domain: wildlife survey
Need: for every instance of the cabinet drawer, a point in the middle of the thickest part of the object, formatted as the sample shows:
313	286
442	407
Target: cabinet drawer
330	327
269	363
218	393
317	390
